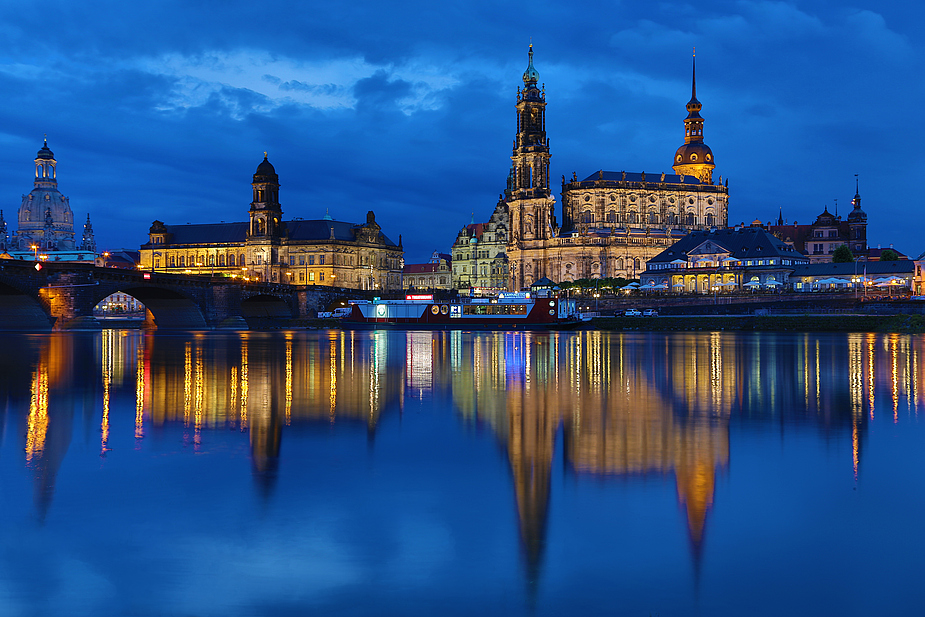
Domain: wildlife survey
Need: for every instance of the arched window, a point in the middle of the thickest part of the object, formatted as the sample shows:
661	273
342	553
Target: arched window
173	262
221	259
182	261
711	220
619	263
241	260
212	260
636	263
690	220
587	217
231	259
653	218
611	216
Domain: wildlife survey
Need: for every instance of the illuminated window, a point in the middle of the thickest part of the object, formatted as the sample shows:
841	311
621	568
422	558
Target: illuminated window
311	276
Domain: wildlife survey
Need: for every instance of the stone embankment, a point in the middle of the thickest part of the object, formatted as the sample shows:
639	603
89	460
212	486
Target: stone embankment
767	323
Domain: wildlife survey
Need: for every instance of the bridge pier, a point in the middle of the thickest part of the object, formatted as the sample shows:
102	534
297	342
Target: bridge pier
70	298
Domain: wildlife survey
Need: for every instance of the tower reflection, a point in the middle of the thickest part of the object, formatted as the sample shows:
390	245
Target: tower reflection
622	405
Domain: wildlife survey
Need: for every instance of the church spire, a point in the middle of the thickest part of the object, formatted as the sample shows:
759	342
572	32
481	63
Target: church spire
694	158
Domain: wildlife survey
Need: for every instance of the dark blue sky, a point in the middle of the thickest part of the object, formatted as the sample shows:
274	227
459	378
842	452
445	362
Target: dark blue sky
163	110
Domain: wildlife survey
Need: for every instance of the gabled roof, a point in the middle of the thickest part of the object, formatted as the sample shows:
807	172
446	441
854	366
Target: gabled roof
742	243
420	268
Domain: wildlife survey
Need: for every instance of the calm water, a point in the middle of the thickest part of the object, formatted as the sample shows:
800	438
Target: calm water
419	473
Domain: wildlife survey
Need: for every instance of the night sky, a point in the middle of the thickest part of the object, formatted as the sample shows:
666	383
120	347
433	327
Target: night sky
163	110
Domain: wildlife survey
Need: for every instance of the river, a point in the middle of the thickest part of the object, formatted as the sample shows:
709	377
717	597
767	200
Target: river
454	473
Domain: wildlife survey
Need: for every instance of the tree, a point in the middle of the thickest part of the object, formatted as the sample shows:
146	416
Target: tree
843	255
889	255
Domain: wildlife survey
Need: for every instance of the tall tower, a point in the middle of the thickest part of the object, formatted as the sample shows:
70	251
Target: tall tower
531	204
266	214
694	158
266	230
857	225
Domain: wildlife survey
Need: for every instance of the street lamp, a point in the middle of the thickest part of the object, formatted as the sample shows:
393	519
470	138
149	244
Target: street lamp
35	249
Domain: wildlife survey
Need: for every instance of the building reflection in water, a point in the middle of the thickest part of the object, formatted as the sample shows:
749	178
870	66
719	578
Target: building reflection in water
625	404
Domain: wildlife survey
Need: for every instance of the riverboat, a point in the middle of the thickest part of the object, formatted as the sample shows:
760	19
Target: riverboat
507	311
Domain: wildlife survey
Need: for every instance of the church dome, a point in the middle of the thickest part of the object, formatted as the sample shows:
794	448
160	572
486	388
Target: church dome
694	153
45	152
265	168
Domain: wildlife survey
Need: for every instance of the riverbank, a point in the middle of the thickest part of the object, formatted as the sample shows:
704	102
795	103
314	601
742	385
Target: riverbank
909	324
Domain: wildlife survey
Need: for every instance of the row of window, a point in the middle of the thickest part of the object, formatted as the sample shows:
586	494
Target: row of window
192	261
310	259
587	216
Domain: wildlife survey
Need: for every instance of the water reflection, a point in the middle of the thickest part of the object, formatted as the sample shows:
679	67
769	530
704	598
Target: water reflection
620	405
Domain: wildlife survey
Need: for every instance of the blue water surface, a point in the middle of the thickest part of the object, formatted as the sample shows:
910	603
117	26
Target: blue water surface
454	473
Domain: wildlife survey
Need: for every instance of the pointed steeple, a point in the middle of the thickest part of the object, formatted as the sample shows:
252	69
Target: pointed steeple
88	243
531	75
694	158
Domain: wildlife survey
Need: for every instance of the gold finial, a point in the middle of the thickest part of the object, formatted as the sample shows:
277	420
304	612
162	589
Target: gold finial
695	52
264	154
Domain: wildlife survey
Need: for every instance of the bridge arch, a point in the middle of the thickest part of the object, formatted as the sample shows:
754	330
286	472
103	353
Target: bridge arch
166	308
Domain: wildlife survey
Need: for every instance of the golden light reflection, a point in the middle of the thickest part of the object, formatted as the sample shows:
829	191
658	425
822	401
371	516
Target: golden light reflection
244	385
38	415
198	397
140	375
288	379
187	381
108	344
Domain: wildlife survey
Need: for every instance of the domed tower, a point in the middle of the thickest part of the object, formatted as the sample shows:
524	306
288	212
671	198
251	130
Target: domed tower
694	158
857	224
266	214
45	216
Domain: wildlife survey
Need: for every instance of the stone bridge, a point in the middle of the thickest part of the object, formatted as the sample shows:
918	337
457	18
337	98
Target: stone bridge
61	296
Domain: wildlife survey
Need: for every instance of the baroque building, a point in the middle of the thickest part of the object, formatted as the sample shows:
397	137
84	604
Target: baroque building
612	222
435	274
268	248
820	239
45	222
480	253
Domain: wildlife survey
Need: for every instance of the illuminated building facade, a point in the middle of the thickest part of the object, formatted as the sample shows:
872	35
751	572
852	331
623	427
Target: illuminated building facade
819	240
612	222
435	274
45	221
723	260
267	248
480	253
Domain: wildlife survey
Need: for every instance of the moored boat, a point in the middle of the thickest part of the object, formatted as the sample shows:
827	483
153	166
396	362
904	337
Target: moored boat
508	311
